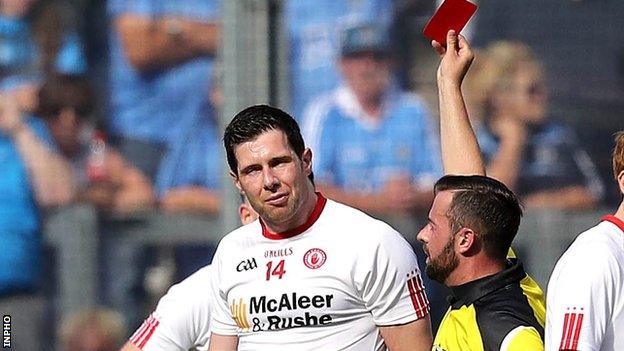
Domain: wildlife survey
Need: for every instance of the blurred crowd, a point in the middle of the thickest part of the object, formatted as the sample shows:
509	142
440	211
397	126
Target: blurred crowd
128	121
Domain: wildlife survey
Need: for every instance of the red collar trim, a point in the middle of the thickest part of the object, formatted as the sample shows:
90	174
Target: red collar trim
318	209
613	219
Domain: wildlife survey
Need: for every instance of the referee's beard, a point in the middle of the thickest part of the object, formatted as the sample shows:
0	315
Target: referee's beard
441	266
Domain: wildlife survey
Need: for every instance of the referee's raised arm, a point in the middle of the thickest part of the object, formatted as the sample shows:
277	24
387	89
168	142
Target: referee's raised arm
460	150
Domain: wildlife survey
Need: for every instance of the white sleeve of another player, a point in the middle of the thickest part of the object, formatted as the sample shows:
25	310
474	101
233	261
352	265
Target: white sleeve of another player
390	281
222	321
181	319
580	298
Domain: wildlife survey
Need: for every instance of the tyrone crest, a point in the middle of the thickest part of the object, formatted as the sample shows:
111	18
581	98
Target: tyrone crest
314	258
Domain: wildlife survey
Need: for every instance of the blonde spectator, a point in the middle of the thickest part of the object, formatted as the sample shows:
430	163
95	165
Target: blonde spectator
536	155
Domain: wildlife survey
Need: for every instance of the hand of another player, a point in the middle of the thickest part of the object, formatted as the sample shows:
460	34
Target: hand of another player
456	58
11	119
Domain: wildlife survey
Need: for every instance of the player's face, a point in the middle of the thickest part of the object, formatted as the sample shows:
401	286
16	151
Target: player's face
274	178
438	241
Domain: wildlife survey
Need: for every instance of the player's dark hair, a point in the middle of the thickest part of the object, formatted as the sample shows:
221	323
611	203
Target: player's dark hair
249	123
486	206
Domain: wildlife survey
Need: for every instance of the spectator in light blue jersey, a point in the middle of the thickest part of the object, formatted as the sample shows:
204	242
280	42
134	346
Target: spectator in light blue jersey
161	57
313	31
189	179
376	147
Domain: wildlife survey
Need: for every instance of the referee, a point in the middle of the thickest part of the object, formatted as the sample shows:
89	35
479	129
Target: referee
495	305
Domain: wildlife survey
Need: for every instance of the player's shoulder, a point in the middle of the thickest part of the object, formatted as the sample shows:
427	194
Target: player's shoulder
357	225
593	252
241	236
595	242
194	285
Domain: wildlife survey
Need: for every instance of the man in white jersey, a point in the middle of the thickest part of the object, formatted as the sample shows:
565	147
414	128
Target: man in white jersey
585	302
181	320
311	274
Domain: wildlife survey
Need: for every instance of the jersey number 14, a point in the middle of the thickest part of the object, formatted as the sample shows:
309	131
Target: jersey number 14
278	270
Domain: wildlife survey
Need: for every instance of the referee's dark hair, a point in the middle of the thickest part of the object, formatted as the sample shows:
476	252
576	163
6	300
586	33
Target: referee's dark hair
249	123
486	206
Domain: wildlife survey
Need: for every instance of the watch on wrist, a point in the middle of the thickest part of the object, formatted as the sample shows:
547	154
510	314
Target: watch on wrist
173	28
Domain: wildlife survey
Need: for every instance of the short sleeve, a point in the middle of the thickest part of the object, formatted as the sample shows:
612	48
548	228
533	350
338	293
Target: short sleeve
580	298
521	339
222	322
181	319
390	282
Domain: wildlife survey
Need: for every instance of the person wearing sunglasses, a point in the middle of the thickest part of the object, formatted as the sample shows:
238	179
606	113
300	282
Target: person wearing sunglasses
525	147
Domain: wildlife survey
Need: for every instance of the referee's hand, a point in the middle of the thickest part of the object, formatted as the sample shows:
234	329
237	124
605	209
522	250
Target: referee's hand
456	58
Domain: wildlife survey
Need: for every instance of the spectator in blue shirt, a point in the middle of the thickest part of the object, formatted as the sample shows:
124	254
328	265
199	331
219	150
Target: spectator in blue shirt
161	56
189	179
313	30
33	176
537	156
376	147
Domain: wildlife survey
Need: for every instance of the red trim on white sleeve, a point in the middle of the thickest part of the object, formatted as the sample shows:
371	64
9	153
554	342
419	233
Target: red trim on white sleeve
418	296
572	324
145	332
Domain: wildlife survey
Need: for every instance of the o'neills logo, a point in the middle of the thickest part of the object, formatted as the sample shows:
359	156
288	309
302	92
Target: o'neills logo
278	253
278	312
314	258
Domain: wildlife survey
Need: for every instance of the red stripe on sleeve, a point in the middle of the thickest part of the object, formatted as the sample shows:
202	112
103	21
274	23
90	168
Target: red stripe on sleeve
137	334
577	331
421	302
410	286
155	323
417	294
566	321
571	325
421	289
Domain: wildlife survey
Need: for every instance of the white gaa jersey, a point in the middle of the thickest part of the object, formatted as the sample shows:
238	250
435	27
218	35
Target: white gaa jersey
182	318
326	285
585	307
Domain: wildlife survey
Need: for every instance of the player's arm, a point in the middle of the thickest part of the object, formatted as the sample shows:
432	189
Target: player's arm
579	296
414	336
220	342
460	150
394	293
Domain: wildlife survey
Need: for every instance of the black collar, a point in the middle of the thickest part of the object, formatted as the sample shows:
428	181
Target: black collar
468	293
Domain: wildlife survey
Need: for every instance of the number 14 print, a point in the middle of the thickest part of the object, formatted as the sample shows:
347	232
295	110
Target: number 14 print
278	270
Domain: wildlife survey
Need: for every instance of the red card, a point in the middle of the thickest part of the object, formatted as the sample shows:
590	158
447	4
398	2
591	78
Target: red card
452	14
